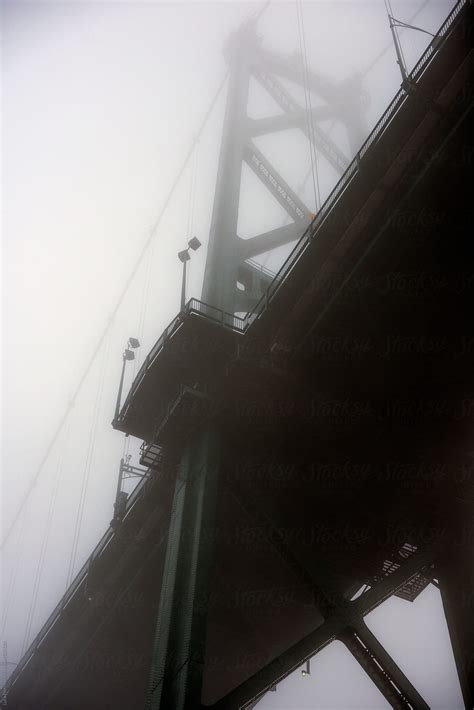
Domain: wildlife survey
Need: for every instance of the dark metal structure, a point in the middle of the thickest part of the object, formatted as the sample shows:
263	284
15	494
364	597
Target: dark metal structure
319	443
229	257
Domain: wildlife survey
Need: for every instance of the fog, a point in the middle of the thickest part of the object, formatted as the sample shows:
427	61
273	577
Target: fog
101	103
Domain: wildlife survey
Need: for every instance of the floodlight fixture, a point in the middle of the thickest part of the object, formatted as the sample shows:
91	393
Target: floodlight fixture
127	355
194	243
183	256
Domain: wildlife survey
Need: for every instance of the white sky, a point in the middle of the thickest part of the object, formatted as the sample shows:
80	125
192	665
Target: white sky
100	103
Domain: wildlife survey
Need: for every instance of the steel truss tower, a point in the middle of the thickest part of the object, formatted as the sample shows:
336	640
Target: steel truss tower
228	254
179	651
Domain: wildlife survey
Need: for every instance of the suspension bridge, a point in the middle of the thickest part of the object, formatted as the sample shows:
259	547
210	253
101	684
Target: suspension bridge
281	493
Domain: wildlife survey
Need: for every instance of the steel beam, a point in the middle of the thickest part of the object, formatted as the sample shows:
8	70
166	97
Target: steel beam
323	143
179	647
278	669
248	248
292	69
222	263
346	95
286	121
357	637
282	666
321	585
275	184
381	668
246	59
456	581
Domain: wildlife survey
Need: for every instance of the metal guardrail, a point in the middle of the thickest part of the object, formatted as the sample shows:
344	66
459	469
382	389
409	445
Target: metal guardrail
422	63
194	306
228	320
72	589
260	267
353	167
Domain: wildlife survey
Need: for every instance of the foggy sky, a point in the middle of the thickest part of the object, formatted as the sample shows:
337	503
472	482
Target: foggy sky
100	104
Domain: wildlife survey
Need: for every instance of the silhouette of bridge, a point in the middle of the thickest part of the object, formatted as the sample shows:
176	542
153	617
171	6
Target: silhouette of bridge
305	433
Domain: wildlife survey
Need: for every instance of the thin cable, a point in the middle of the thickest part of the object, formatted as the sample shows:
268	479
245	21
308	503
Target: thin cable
192	179
87	466
305	91
114	313
309	108
389	10
143	305
194	188
142	316
389	46
44	542
310	115
17	561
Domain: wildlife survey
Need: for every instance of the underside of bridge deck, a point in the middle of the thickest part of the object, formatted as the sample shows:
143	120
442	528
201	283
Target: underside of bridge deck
341	421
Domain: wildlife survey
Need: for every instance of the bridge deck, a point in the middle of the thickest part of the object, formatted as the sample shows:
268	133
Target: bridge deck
345	406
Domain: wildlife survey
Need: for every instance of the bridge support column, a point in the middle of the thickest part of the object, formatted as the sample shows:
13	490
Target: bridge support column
179	647
456	581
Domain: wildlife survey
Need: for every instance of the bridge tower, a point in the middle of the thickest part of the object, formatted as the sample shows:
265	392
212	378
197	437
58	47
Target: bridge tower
179	652
228	254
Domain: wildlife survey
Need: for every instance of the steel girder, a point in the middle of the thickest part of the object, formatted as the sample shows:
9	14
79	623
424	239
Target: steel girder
180	636
335	625
227	250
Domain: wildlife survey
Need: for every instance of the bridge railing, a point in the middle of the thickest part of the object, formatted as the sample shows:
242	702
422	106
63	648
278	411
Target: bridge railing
72	589
425	58
260	267
352	169
228	320
193	306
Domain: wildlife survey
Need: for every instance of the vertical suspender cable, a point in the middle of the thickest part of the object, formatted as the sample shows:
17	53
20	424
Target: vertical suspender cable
18	558
308	104
305	90
44	543
88	465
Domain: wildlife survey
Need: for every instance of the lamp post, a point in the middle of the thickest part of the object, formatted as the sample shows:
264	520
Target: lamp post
184	257
128	354
393	22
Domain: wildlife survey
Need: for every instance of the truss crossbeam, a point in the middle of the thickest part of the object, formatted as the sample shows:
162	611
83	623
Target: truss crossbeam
275	184
335	625
323	143
270	240
294	119
381	668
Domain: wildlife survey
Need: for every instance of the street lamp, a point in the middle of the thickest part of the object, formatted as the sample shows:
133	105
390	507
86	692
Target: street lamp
128	354
184	256
393	22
